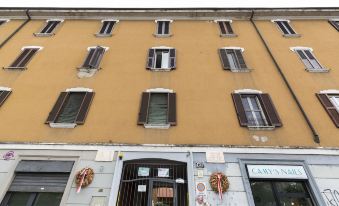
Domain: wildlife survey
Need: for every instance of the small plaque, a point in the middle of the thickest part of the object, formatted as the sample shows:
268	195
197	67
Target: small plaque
143	171
104	156
200	173
215	157
163	172
98	201
141	188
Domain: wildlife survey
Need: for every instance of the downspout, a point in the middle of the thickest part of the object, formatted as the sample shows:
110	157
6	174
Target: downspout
17	30
316	138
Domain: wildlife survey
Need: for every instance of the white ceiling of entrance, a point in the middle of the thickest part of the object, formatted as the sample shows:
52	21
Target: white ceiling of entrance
170	3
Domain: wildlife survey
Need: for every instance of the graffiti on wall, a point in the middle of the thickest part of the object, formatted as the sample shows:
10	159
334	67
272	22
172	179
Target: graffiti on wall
331	197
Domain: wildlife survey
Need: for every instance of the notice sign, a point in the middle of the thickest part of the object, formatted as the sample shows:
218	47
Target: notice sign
141	188
276	171
163	172
143	171
215	157
201	189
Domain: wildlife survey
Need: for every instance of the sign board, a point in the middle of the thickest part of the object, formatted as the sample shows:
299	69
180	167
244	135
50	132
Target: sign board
141	188
104	156
215	157
276	171
163	172
201	189
143	171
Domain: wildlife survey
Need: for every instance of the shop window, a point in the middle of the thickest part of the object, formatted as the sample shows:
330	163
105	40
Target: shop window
232	59
307	57
161	59
94	57
107	28
158	109
49	28
335	24
286	28
163	28
22	60
255	109
71	108
276	193
330	101
38	183
226	29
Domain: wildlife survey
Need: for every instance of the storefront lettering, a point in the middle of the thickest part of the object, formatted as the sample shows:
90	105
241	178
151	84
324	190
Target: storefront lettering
267	171
331	197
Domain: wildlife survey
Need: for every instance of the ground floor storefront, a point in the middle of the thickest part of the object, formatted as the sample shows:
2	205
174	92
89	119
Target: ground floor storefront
149	175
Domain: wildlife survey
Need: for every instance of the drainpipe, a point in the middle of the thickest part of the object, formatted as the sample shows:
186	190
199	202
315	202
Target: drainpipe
17	30
316	138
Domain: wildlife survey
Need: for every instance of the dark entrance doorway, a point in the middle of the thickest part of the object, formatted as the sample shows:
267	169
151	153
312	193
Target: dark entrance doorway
153	182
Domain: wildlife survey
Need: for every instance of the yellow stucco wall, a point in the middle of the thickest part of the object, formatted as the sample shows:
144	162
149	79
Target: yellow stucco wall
205	111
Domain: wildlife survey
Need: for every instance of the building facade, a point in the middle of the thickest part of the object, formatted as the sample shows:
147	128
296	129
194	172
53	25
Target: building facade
156	102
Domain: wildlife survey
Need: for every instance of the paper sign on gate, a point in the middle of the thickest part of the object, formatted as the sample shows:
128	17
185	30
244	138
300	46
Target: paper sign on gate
163	172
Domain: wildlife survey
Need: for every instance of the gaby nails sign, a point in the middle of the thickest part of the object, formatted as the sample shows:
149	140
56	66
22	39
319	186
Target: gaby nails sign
276	171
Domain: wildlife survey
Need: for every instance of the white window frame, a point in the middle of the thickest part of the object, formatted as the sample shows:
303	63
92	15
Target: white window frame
313	69
225	35
289	32
110	34
39	34
169	28
5	89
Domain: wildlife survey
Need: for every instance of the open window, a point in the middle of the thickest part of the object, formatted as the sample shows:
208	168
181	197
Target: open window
158	109
161	59
330	101
225	27
232	59
71	108
307	57
94	57
286	28
255	109
26	55
163	28
49	28
106	28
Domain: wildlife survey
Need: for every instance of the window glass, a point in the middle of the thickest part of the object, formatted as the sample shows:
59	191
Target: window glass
263	194
19	199
163	27
50	199
71	107
254	113
335	101
162	58
232	60
158	108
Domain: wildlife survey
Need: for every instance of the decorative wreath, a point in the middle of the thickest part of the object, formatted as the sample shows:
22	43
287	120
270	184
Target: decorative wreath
217	177
84	177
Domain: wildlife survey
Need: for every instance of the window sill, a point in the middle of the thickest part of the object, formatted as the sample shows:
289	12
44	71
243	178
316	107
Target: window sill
103	35
241	70
292	35
228	35
162	35
62	125
43	34
261	127
14	68
161	69
323	70
87	69
157	126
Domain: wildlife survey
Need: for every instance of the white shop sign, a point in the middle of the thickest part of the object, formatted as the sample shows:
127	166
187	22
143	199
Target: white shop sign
276	171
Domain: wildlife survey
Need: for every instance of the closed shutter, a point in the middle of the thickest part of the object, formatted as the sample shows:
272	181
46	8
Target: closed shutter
330	108
172	109
150	59
84	108
142	117
96	57
270	110
57	107
240	109
335	24
172	58
224	59
240	59
3	96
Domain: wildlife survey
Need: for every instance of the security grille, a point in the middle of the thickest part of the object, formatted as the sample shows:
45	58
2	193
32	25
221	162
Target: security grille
151	182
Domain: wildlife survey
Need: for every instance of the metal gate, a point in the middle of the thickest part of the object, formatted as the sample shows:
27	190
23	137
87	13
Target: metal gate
153	182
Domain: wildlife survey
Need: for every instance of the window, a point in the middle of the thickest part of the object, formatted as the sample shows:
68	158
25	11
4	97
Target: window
335	24
22	60
158	108
38	183
226	28
163	28
309	60
232	59
255	109
286	28
279	192
94	57
4	93
3	21
330	101
71	108
161	59
107	27
49	28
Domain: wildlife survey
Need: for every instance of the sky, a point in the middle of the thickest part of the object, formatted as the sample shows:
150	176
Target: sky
170	3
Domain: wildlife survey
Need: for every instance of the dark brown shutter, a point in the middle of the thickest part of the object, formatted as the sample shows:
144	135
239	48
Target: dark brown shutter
172	109
142	117
224	59
240	109
84	108
88	58
20	57
96	57
3	96
229	27
27	58
150	59
330	108
240	58
335	24
57	107
222	27
173	58
270	110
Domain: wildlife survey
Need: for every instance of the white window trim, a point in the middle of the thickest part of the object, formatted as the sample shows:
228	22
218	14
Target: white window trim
5	20
93	47
333	19
329	91
32	47
63	125
79	89
157	126
275	20
159	90
294	49
5	89
219	20
247	91
162	47
103	20
61	20
234	47
170	20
